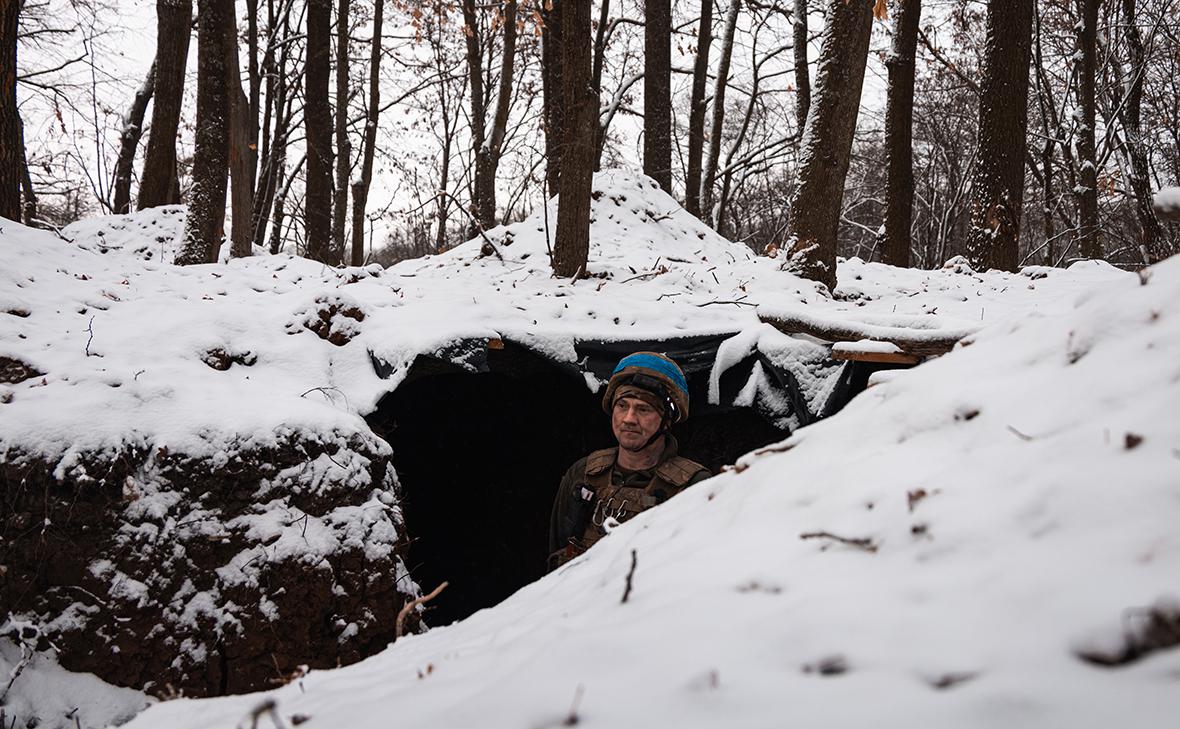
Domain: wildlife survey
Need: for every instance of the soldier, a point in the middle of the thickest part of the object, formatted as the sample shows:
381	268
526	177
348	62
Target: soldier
647	394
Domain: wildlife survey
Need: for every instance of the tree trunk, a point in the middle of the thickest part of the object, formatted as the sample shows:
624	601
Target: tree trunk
206	210
657	92
274	142
600	41
697	108
553	90
29	195
495	143
343	147
899	119
10	135
158	185
1091	246
998	195
710	173
129	141
572	245
802	75
317	113
255	83
478	114
360	190
1152	231
241	160
827	140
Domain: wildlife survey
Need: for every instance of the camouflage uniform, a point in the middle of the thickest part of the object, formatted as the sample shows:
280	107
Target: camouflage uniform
596	489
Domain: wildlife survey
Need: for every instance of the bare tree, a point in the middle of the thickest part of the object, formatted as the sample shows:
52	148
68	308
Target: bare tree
998	195
1151	232
360	188
827	139
158	185
206	216
343	147
317	114
899	119
802	75
697	107
129	141
10	134
714	157
1088	231
572	246
657	92
242	156
553	90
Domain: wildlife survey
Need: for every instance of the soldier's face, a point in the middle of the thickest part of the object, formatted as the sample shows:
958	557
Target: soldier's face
634	422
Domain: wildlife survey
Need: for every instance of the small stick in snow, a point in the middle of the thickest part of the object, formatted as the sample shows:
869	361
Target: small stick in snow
1018	434
572	718
865	544
90	328
401	616
630	575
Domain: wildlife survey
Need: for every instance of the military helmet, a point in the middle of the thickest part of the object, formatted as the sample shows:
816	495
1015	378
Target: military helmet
653	373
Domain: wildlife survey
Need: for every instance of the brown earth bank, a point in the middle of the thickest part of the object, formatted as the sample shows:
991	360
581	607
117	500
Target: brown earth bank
224	573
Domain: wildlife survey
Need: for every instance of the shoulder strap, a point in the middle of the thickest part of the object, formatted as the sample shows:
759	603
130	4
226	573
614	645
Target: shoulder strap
678	471
600	461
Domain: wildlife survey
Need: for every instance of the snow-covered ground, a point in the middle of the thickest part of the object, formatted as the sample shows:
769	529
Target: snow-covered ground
945	549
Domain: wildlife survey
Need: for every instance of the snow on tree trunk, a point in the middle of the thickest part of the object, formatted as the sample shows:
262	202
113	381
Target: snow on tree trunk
657	92
899	118
1091	246
206	216
572	246
827	139
129	141
998	194
158	184
318	116
697	108
10	162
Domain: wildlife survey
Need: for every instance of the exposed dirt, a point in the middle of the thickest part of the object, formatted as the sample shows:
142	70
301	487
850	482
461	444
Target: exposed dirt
134	565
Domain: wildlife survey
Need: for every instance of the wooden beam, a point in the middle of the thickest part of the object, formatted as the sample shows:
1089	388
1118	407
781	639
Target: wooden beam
860	355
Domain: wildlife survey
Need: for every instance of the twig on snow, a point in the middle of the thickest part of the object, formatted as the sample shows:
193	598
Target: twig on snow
405	611
630	576
90	328
865	544
572	718
1018	434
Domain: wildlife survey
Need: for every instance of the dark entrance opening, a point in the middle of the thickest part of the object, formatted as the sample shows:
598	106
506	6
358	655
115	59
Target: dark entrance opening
480	455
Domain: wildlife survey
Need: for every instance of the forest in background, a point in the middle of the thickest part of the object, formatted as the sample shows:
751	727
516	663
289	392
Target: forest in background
1013	132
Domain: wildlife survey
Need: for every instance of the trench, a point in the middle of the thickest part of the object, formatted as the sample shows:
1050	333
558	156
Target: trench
479	457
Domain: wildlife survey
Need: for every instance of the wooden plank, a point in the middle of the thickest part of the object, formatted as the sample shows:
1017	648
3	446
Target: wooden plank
883	357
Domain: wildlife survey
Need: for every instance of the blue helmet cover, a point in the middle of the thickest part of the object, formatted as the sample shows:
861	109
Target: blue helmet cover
656	364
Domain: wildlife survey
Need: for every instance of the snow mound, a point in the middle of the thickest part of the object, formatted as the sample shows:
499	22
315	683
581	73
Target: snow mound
966	544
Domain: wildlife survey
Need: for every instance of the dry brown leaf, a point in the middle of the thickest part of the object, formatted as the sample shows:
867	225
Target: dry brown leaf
881	11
